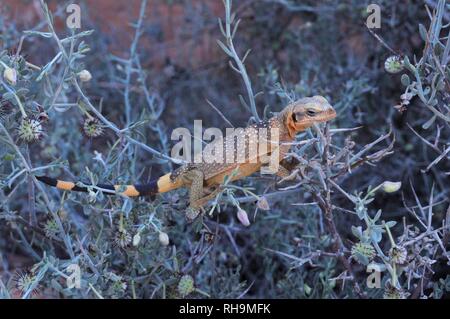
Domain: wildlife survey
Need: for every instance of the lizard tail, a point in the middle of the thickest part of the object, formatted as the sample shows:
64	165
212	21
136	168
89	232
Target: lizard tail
160	185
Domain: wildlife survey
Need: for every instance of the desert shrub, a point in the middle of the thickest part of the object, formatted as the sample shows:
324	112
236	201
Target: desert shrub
367	191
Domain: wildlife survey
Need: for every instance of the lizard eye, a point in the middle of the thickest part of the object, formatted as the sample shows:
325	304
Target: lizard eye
311	112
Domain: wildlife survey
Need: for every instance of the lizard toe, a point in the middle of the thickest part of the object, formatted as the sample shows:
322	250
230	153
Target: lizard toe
192	213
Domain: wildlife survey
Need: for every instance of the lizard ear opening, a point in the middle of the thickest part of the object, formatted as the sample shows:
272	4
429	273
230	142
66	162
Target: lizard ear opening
291	124
294	117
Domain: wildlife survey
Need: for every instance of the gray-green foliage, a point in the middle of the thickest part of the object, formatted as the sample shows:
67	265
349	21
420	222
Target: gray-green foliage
323	226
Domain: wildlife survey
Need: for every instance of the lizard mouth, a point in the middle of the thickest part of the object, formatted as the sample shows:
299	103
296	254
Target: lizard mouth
328	115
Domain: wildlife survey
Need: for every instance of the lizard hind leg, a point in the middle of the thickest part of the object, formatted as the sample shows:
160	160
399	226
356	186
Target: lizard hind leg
195	178
210	194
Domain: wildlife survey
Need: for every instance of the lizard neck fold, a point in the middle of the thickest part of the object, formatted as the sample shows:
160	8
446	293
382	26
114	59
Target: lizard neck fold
287	131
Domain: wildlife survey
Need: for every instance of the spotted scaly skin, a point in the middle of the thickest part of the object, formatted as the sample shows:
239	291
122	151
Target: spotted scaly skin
203	178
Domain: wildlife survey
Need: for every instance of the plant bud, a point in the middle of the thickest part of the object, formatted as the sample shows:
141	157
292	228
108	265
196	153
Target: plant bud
391	187
85	76
243	217
136	239
164	239
10	75
263	204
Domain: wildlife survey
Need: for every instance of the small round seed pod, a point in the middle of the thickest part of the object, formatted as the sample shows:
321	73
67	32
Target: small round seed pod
398	254
24	282
92	127
122	239
391	292
186	285
30	130
393	64
363	253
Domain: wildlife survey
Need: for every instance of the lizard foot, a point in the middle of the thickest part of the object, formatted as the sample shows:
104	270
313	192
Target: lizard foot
192	213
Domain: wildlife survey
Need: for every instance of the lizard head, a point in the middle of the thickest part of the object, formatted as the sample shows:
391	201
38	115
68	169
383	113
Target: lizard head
303	113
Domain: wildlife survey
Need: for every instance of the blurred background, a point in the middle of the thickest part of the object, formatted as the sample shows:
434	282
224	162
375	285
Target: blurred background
177	70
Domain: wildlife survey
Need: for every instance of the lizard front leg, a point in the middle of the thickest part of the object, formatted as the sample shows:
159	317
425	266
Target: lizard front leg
287	169
283	172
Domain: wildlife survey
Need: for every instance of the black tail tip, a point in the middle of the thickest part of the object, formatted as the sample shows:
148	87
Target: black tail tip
47	180
149	189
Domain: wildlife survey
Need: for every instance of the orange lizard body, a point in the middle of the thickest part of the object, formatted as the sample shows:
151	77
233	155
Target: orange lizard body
294	118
